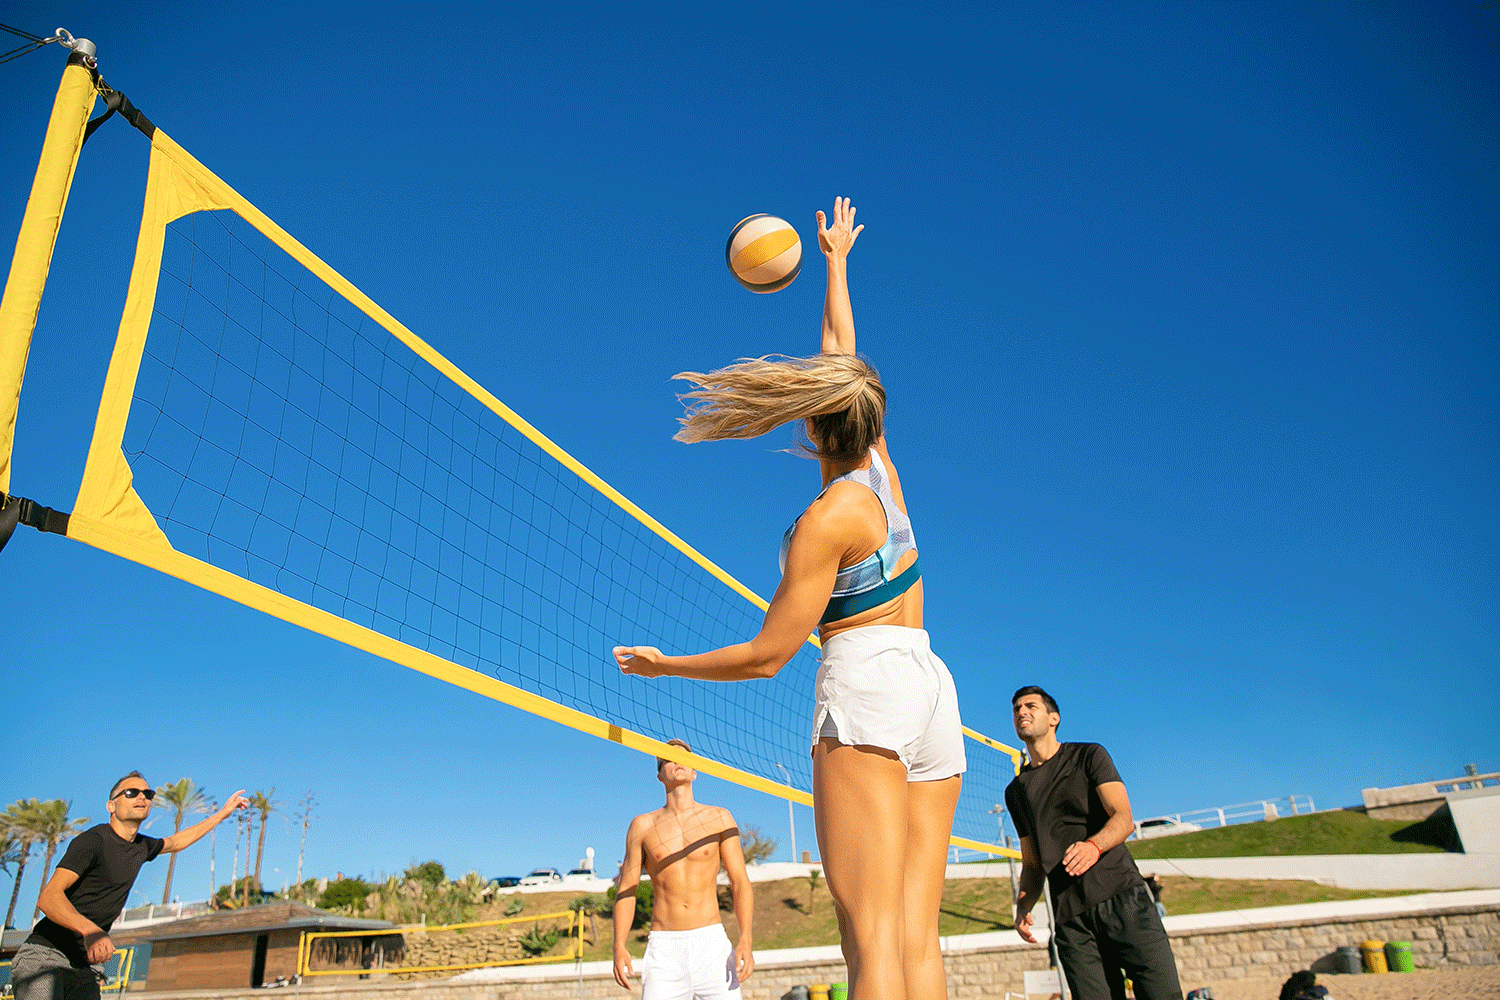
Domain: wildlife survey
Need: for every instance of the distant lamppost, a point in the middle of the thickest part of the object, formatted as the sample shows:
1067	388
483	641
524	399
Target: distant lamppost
1015	888
213	886
790	821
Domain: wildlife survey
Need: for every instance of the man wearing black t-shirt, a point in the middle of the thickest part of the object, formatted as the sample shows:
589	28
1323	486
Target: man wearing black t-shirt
1070	808
87	891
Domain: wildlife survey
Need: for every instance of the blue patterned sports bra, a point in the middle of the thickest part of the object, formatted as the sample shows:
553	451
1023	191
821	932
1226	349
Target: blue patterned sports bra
869	584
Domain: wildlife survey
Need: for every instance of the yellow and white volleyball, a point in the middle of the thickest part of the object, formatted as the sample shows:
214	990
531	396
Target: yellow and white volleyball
764	253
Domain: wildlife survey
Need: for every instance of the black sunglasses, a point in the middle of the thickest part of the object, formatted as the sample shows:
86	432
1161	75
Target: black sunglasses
131	793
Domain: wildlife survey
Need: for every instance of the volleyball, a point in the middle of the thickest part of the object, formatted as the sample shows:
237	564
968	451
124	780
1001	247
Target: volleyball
764	253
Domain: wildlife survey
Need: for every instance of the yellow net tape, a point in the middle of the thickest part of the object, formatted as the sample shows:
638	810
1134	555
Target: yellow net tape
33	256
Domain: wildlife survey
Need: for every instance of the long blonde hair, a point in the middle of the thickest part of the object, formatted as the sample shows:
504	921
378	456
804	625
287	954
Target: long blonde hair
840	393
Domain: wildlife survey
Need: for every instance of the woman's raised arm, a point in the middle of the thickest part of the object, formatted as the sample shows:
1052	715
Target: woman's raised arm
835	241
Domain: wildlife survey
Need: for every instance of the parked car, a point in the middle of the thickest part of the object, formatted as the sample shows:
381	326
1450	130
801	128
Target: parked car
1163	826
505	881
541	876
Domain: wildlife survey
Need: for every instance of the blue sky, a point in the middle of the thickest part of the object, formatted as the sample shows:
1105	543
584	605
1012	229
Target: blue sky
1188	316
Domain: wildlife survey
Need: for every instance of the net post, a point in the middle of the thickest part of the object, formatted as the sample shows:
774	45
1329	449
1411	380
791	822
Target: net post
38	236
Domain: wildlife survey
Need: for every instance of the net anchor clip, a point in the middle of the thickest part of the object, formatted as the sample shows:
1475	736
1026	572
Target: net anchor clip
82	46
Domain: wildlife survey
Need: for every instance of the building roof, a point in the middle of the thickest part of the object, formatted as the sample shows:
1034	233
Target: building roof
276	916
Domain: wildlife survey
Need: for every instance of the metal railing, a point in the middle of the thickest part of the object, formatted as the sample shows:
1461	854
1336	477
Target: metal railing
1466	783
1241	812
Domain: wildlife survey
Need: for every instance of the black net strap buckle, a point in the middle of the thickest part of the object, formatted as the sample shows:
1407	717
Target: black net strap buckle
116	101
19	510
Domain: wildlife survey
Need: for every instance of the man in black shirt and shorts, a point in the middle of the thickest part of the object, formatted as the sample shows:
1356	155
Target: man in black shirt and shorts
1070	808
62	958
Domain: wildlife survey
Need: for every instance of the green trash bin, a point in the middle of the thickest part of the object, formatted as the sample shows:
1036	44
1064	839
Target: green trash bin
838	991
1398	956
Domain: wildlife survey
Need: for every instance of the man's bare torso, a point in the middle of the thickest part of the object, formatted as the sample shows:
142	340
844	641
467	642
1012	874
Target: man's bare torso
681	853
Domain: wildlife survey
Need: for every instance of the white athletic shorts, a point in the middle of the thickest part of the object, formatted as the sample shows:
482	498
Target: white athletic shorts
690	965
883	686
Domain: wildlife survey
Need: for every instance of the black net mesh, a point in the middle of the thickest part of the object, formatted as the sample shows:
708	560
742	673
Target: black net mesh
281	434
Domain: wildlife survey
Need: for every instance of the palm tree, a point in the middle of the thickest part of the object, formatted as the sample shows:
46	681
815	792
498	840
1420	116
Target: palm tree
10	847
262	803
184	799
306	805
22	821
53	829
249	826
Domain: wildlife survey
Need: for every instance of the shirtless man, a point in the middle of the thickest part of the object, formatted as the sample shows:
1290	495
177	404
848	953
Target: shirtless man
682	846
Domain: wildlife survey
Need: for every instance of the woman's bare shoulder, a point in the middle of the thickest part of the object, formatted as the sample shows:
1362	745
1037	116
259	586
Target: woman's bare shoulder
844	515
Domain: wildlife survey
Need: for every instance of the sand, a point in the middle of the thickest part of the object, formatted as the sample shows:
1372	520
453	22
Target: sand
1480	982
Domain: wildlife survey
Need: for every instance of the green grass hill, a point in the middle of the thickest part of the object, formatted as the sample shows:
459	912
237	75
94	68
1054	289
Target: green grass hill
1321	833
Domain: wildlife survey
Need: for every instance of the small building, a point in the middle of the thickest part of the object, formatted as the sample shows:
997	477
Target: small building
236	949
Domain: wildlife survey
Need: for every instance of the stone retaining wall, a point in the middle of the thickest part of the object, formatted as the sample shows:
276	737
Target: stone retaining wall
1461	937
501	943
1440	937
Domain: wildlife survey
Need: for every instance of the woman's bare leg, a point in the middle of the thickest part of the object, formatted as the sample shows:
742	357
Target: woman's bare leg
930	806
861	814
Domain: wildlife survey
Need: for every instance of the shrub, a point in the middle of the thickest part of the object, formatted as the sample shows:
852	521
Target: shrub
755	847
234	895
345	892
592	903
644	896
538	942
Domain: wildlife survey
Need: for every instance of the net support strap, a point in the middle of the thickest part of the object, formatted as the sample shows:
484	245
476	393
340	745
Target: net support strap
33	255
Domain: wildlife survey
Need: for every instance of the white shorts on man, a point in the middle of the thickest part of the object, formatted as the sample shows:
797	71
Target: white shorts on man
690	965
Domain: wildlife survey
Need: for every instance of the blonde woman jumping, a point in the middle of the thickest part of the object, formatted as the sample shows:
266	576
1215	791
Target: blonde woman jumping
887	744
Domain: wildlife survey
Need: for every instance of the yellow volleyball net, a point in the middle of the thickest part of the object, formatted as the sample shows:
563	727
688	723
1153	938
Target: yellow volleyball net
269	433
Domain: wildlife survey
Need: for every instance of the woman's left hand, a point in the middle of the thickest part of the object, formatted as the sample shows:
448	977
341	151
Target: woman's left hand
643	661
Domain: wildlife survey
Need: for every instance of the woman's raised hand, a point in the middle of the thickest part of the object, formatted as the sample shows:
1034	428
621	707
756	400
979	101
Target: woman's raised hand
835	240
643	661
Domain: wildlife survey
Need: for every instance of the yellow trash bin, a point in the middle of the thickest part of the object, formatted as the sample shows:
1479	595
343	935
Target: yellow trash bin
1374	952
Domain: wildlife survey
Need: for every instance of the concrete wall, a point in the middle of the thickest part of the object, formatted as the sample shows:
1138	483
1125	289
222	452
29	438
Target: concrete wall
1457	930
1348	871
1417	802
1476	816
